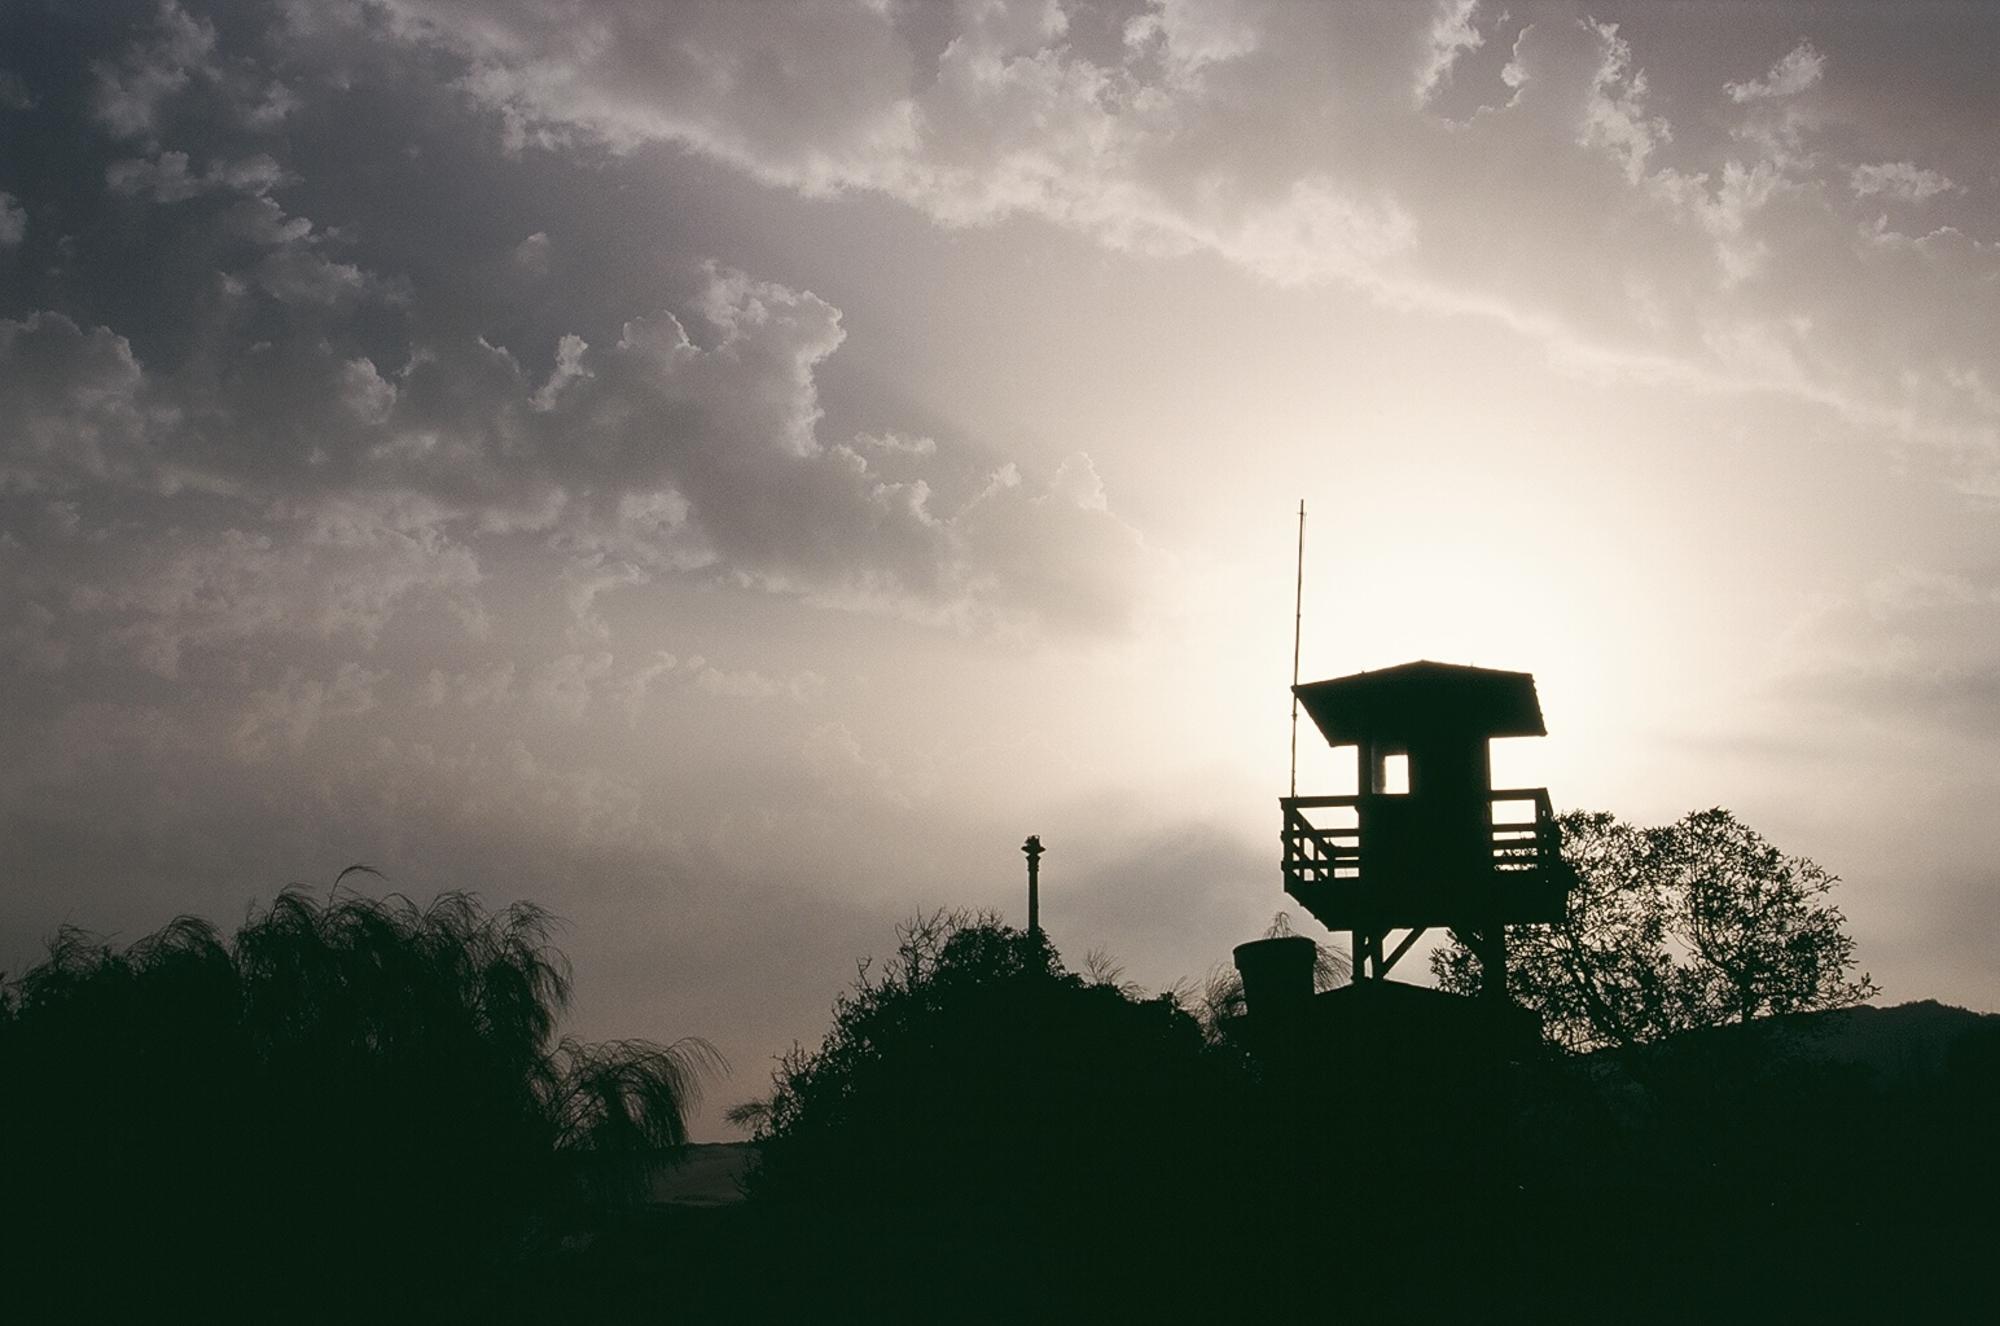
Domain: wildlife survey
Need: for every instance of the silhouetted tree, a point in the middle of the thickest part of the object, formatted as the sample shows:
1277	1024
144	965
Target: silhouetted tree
975	1072
977	1105
1693	924
350	1105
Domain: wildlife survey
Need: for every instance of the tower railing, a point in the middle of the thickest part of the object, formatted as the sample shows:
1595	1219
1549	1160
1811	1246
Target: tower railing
1376	850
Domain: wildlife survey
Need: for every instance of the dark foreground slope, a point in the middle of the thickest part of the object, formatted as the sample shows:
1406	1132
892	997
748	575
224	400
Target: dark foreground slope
1840	1163
341	1127
1838	1166
348	1110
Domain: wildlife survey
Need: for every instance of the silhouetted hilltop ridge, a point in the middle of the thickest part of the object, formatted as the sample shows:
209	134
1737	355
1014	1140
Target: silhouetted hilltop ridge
1908	1044
705	1174
1902	1040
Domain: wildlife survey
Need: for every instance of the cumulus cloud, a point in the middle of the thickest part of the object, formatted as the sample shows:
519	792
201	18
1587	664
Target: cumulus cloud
687	435
1004	120
313	577
367	349
353	474
167	177
1452	34
564	684
321	365
131	89
348	332
898	444
74	407
1901	180
1799	69
1283	138
290	712
533	252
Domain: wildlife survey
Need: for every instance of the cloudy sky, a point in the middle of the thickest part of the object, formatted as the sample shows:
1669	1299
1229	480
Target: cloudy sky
730	471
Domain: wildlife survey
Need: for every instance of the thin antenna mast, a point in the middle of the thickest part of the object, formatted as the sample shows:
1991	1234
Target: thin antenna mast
1298	617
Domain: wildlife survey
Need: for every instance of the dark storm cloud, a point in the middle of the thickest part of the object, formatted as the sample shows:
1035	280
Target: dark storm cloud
340	428
1763	225
245	279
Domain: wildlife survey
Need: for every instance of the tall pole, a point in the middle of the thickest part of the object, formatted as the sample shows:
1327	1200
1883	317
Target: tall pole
1298	618
1032	849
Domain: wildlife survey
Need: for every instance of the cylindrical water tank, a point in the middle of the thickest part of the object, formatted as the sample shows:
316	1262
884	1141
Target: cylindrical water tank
1277	974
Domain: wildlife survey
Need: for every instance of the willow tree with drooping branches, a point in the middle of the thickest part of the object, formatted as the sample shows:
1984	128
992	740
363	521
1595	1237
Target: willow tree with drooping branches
361	1096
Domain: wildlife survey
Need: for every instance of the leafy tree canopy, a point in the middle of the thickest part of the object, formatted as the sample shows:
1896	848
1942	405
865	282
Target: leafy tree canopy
1692	924
974	1072
356	1077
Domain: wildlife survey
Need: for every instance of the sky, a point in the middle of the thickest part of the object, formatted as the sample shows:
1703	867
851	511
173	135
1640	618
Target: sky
730	472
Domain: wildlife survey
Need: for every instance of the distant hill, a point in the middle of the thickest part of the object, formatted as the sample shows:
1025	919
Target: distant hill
709	1175
1906	1045
1903	1042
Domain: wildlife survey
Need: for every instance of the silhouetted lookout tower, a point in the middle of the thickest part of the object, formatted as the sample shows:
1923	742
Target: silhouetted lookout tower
1427	840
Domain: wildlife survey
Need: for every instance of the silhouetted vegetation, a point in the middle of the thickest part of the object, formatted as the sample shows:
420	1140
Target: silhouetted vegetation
1693	924
974	1068
348	1108
987	1135
362	1109
976	1103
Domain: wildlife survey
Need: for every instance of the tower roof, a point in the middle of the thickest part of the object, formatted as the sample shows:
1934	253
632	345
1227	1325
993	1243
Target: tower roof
1423	699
